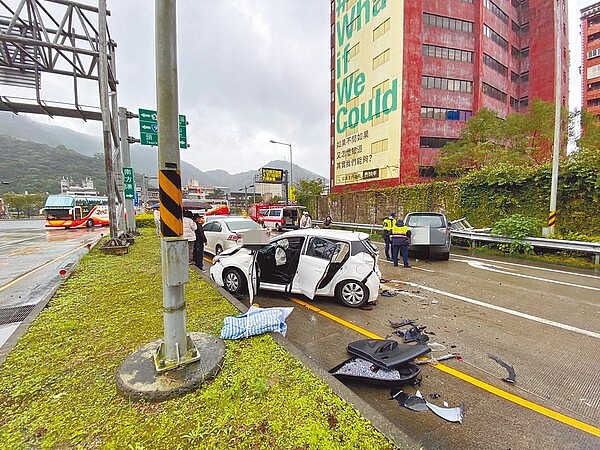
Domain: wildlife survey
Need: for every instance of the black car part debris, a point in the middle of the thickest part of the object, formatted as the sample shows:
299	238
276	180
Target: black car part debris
413	334
388	293
358	369
402	323
511	378
408	401
381	362
386	353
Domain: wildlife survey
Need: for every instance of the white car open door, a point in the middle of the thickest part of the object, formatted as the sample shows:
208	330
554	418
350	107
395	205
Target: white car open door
314	264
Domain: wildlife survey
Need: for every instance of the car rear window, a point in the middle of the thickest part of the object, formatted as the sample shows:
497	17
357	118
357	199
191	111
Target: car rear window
242	225
433	221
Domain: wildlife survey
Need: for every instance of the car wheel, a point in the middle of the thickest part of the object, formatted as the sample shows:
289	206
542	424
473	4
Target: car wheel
234	281
218	250
277	227
90	223
352	293
445	256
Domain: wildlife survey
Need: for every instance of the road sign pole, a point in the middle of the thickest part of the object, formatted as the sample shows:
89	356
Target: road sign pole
177	348
126	159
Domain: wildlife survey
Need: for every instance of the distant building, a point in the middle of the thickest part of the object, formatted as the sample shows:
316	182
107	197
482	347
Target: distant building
406	75
590	37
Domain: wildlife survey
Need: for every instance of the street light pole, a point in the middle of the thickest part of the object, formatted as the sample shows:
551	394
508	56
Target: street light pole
291	180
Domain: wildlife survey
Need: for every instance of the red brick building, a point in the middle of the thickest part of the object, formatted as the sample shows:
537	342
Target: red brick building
590	35
406	75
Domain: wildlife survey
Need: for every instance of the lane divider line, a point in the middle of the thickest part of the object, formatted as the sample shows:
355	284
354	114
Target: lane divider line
552	323
587	428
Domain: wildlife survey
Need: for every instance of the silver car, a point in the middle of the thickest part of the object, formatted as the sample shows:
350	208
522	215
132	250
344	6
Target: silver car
430	234
224	232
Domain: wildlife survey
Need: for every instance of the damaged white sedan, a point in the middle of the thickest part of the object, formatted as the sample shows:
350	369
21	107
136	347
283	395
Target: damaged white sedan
313	262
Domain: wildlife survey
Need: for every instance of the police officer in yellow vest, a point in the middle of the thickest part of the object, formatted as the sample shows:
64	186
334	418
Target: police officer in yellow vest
388	223
400	238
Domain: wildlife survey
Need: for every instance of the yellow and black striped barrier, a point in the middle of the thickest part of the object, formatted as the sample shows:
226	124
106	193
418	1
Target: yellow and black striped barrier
552	218
171	210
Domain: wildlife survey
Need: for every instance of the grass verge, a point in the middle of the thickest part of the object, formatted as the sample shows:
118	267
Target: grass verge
57	386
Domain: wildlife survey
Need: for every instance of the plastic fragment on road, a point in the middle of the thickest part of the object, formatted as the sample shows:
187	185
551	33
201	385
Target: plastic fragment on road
512	376
411	402
435	360
256	321
455	414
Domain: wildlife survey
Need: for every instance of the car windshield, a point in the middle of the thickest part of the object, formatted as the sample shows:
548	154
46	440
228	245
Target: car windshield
425	221
245	224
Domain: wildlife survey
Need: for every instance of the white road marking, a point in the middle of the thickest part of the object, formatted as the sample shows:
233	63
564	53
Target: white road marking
487	261
8	244
504	310
499	269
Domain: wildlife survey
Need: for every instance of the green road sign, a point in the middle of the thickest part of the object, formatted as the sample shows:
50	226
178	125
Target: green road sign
129	183
149	128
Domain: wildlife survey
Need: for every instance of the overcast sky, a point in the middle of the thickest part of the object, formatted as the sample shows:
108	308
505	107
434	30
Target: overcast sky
249	71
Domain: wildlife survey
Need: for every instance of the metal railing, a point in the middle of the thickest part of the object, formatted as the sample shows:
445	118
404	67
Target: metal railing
476	236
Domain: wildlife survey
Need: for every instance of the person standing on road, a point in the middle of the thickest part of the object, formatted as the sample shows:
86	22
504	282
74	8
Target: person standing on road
189	233
305	221
157	220
200	241
388	223
400	238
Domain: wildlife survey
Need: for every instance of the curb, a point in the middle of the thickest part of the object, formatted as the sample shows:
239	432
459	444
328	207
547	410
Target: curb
398	437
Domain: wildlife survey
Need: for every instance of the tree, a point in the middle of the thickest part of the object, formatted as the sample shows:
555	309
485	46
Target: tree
308	193
25	203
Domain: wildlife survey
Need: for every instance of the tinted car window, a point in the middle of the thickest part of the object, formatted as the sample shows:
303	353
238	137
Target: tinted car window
320	248
243	225
208	226
425	221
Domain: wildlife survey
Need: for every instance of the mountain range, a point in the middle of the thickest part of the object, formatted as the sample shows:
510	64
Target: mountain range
49	142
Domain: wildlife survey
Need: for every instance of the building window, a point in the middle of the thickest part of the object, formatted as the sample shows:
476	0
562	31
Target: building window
514	77
495	37
593	86
434	142
494	93
496	10
593	37
525	52
381	117
454	54
514	103
524	77
523	102
381	59
447	22
593	53
495	65
593	72
379	146
594	102
446	84
353	51
381	30
427	172
430	112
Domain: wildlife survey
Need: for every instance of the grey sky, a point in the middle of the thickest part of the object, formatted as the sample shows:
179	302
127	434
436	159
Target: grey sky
249	71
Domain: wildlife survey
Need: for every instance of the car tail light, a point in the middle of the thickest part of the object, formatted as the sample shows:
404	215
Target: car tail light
233	237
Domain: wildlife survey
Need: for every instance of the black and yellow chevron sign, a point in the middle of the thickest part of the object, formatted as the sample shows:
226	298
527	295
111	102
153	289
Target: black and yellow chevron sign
171	211
552	218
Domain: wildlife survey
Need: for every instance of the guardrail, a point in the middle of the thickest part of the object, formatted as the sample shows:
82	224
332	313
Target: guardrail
478	236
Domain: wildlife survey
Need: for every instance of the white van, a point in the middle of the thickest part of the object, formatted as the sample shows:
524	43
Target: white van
285	217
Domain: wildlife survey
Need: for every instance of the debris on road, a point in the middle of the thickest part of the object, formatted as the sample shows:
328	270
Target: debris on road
511	378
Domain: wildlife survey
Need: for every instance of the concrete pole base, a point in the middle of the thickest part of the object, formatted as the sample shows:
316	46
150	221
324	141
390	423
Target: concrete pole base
137	378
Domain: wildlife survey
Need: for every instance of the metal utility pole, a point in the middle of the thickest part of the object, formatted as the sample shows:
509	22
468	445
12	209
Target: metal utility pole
177	347
557	118
106	124
290	182
126	159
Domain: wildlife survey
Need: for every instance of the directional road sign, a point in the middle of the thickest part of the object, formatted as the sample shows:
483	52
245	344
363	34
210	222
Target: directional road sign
149	128
129	183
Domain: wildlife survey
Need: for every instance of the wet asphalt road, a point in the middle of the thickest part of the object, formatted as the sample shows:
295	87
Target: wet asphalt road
31	258
542	321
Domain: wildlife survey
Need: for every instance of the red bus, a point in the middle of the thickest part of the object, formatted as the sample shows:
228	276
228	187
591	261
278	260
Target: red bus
76	211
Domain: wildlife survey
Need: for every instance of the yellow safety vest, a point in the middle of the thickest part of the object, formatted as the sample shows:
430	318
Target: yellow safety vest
388	223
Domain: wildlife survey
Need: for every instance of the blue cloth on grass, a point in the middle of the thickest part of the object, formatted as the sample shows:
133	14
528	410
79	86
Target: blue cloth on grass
256	321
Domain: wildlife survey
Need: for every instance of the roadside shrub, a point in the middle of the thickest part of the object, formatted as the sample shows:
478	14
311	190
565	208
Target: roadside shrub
144	221
517	227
